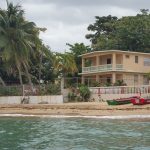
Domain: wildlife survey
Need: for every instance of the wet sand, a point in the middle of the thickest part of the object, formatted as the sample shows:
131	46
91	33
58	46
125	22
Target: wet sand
76	109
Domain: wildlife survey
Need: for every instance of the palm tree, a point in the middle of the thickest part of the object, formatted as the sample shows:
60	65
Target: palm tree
18	38
65	63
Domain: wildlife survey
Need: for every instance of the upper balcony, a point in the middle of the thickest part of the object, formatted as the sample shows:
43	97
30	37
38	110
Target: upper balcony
102	68
102	63
115	60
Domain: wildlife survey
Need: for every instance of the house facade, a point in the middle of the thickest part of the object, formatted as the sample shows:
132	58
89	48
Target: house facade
110	66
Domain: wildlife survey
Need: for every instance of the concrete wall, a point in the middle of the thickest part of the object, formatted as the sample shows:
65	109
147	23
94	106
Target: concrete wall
56	99
109	93
130	65
105	97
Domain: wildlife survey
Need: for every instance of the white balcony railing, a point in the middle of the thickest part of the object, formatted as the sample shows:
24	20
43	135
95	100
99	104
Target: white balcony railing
105	67
119	67
102	68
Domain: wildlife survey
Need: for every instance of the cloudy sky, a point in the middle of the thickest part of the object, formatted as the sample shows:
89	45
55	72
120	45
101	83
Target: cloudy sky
67	20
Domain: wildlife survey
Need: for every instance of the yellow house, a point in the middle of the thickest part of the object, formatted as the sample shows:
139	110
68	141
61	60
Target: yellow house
112	65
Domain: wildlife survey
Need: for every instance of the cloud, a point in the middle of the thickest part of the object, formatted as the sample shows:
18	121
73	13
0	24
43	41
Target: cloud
67	20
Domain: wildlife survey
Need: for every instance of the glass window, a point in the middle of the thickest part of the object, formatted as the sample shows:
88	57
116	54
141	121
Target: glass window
108	60
135	79
136	59
108	80
145	80
146	61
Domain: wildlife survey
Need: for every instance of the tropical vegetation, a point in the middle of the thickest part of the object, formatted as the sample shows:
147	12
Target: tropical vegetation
24	59
19	40
126	33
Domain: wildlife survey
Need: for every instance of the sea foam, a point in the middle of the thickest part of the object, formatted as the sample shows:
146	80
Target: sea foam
78	116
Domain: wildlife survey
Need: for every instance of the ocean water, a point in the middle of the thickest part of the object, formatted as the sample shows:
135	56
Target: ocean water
37	133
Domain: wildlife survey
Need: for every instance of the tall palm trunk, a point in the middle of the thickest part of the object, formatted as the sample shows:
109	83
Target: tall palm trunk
40	67
20	76
1	81
28	75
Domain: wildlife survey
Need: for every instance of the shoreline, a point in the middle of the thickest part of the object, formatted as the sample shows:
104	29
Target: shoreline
75	109
88	117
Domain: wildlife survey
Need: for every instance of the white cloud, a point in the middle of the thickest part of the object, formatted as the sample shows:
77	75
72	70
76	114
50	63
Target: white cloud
67	20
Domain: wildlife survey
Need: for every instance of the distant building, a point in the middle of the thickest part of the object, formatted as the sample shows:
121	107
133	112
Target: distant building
111	65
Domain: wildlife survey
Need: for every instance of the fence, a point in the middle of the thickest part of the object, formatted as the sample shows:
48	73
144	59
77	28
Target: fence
143	89
55	89
26	90
16	90
101	82
107	93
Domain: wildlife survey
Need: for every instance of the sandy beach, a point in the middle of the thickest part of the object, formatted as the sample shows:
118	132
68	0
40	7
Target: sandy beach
75	109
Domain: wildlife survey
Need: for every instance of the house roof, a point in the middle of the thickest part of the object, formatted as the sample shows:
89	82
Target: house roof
111	51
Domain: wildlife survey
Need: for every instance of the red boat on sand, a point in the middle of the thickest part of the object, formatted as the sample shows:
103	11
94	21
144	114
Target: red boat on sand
140	101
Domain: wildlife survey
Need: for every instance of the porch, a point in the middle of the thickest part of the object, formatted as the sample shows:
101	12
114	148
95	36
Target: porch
102	63
115	79
98	80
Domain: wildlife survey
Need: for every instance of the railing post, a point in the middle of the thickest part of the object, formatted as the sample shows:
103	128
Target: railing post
88	82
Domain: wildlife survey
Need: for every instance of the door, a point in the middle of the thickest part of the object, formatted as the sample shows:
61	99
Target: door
108	60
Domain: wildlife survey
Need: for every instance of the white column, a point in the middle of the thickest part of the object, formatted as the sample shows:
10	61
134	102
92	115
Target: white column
83	80
83	62
97	60
123	60
97	78
114	61
113	77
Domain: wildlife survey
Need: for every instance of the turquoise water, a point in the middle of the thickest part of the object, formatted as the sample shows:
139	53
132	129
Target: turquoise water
73	134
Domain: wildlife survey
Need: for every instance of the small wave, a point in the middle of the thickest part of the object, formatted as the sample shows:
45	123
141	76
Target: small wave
78	116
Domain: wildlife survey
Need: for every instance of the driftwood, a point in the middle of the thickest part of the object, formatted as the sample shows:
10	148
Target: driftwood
25	100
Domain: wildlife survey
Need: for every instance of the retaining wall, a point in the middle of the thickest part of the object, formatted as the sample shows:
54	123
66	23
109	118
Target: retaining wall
109	93
105	97
56	99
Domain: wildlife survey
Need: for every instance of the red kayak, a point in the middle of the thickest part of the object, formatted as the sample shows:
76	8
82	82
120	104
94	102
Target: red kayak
140	101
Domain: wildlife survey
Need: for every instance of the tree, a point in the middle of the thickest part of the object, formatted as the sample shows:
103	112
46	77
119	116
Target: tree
76	50
102	27
42	66
18	39
133	32
65	63
127	33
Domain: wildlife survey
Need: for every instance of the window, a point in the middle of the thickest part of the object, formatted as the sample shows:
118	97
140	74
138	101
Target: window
145	80
136	59
135	79
127	56
108	80
146	61
109	61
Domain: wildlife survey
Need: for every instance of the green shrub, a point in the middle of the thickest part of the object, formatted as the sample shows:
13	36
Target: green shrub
84	93
72	96
120	83
50	89
10	91
108	84
53	89
95	84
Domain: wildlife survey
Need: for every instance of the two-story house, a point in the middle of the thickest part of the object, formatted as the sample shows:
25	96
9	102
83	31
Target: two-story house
113	65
